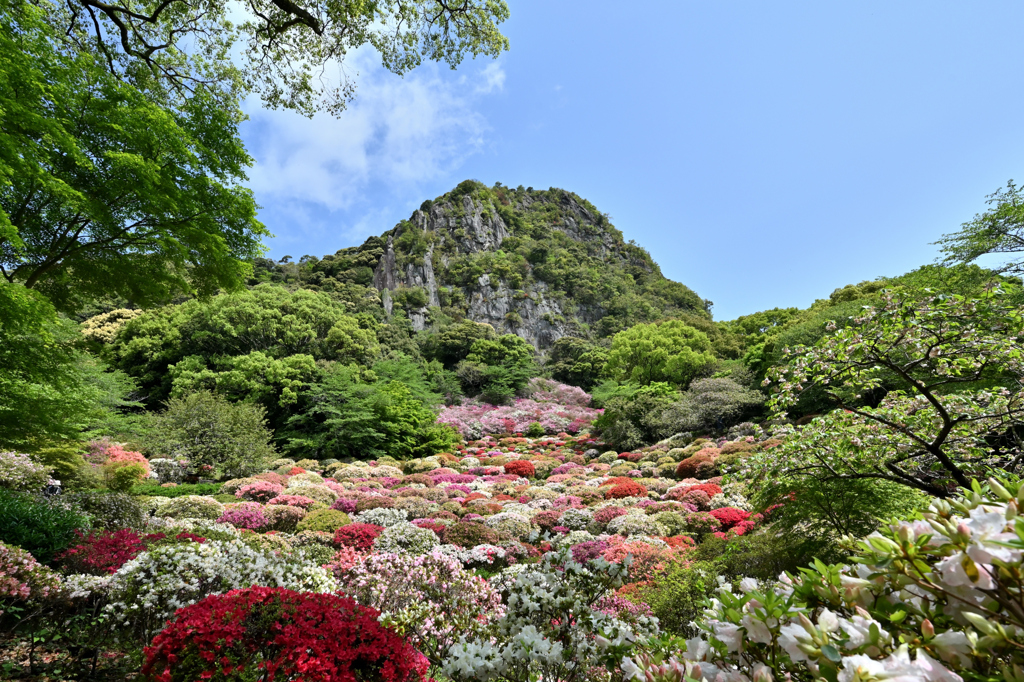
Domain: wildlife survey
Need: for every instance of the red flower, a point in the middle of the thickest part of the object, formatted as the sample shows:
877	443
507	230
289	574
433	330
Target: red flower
358	536
277	634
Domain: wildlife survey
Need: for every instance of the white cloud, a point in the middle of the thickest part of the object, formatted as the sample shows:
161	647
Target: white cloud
494	78
399	132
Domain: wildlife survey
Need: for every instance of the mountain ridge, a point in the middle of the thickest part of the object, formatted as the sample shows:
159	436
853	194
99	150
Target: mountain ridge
542	264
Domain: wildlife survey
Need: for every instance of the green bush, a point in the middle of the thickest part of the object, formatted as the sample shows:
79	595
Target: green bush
121	479
110	510
677	596
42	527
324	520
69	466
765	553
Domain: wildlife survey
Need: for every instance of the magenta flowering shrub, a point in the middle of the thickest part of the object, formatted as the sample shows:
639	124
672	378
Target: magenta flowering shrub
344	504
249	515
474	420
260	491
550	391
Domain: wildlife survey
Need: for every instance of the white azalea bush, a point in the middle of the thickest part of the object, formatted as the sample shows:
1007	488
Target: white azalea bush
405	538
936	598
146	591
550	631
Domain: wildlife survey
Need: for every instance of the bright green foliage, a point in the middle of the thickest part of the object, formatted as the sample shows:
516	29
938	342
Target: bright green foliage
677	597
206	429
121	479
497	369
349	415
664	351
827	510
49	390
577	362
279	50
453	344
105	189
632	422
957	367
39	526
998	230
260	344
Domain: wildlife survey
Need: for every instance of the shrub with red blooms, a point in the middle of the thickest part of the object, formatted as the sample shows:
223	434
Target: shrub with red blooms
625	489
521	467
275	634
295	471
189	537
700	465
117	455
730	516
678	493
631	456
358	536
104	552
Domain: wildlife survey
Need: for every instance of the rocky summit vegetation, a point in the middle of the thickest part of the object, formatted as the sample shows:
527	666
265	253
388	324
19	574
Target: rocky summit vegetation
493	444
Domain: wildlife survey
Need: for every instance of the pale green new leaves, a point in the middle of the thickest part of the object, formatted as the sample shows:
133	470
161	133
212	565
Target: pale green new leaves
665	351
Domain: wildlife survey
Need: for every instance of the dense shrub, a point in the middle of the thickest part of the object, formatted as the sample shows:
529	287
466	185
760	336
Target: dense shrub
260	491
677	597
39	526
326	520
19	472
625	489
522	468
103	552
274	633
247	515
358	536
23	579
469	534
191	507
110	510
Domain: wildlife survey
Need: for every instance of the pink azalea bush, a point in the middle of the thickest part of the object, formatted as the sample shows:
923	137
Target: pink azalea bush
474	420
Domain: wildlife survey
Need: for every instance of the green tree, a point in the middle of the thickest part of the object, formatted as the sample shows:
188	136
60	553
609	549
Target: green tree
454	343
106	188
206	429
577	362
954	367
667	351
352	414
278	48
997	230
49	389
260	344
498	368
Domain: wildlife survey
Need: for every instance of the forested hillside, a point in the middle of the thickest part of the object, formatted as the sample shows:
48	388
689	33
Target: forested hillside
539	264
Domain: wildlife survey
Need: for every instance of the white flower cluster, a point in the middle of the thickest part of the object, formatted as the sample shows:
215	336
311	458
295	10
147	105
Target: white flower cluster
929	599
168	470
636	523
382	516
405	538
510	522
147	590
576	519
549	630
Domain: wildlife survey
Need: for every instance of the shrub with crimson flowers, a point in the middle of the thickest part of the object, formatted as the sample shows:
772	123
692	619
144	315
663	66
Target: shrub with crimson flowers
279	634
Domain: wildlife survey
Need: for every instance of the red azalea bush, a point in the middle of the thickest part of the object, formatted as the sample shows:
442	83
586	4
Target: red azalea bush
104	552
677	494
521	467
548	519
295	471
277	634
627	488
359	536
603	516
631	456
700	465
730	516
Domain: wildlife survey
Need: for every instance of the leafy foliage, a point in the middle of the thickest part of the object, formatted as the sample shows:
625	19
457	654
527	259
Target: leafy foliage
668	351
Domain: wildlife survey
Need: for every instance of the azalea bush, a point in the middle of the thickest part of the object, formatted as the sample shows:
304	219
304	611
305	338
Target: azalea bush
23	580
474	420
275	633
429	598
935	597
550	629
19	472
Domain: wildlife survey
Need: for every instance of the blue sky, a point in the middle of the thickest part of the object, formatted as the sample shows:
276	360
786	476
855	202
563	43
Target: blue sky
764	153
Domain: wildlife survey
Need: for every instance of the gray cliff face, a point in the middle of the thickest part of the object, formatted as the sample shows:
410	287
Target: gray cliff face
531	313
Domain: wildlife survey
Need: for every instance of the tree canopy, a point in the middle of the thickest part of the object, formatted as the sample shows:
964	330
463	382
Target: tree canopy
669	351
952	372
997	230
108	189
278	49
